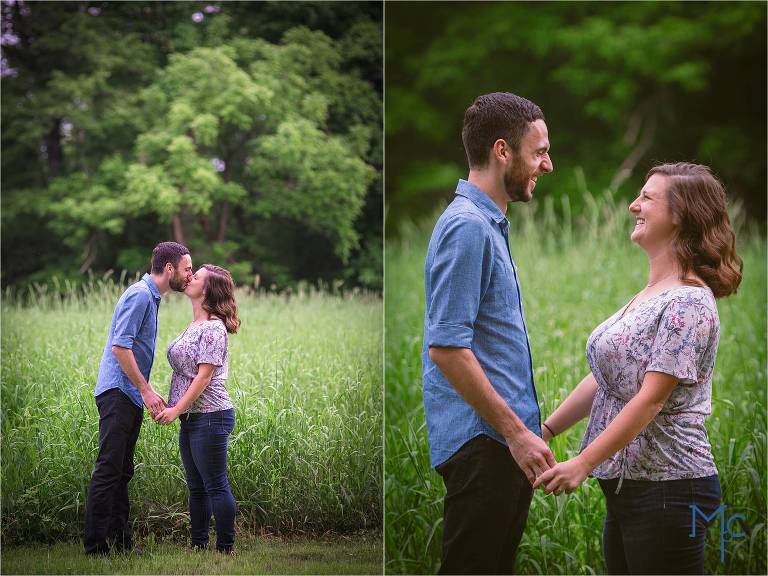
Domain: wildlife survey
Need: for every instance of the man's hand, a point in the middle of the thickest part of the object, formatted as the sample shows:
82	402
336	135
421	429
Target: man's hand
152	400
531	453
564	477
167	416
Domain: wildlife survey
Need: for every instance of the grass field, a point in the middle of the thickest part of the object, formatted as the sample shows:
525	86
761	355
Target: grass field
305	379
325	555
574	274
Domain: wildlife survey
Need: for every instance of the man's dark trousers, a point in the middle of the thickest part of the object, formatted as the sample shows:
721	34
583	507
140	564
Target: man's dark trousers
486	508
106	513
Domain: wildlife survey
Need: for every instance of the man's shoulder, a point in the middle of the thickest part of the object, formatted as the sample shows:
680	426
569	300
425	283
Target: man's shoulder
137	293
463	213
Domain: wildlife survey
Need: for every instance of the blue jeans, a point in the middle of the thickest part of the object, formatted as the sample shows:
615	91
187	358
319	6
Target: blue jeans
648	524
203	447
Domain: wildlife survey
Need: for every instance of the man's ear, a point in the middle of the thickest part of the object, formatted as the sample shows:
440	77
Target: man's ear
169	268
501	151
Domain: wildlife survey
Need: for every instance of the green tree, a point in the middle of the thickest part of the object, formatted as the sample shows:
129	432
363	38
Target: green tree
621	85
245	149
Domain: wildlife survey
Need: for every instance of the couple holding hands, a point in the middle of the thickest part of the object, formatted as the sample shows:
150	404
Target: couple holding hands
649	388
198	398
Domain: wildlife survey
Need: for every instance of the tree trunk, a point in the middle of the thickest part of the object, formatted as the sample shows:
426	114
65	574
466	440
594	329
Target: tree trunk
53	149
223	222
640	132
89	254
178	229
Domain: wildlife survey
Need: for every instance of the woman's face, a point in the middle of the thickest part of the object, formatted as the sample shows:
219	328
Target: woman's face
654	223
195	287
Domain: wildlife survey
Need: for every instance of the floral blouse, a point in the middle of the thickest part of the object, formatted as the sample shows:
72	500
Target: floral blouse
204	343
675	332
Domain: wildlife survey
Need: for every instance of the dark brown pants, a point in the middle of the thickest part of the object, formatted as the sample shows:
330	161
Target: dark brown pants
485	510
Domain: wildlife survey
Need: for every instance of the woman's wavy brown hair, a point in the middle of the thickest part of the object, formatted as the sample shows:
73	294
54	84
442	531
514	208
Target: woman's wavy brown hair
219	299
704	242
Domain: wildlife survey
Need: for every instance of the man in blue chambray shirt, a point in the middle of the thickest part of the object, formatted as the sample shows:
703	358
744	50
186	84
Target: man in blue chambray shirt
122	389
483	418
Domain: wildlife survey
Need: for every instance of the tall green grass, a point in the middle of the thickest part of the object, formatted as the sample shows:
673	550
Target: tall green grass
575	272
305	379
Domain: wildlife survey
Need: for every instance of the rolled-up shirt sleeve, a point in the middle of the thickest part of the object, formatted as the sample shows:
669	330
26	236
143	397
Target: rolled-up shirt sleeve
459	276
129	317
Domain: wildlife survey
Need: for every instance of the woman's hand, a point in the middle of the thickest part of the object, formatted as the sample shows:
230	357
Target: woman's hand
546	435
167	415
564	477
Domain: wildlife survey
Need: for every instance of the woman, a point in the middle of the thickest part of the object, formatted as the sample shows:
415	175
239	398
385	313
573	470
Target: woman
200	400
650	385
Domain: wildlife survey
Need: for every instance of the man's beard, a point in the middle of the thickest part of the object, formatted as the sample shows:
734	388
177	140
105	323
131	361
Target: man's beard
516	183
177	283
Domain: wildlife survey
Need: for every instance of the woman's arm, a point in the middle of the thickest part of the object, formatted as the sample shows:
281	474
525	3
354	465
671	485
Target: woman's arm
574	408
633	418
201	380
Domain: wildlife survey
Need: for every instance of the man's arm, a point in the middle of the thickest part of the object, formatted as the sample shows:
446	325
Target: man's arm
128	364
463	371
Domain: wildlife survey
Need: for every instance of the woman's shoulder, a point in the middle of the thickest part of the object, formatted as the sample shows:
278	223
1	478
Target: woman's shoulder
698	300
214	324
688	293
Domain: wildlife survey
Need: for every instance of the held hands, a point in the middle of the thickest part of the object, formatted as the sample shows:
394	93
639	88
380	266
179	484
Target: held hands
152	400
564	477
531	453
167	416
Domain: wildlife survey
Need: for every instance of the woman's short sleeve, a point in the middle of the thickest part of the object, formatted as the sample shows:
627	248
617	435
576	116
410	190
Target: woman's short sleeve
682	339
212	347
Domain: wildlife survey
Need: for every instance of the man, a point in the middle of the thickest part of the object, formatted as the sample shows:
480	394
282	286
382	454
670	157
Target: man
483	418
122	389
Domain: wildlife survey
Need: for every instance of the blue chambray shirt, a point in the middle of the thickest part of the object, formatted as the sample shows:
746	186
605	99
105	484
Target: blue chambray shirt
134	326
473	301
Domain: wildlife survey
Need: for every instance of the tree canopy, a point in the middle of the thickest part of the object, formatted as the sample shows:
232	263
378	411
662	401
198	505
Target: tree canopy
622	85
251	132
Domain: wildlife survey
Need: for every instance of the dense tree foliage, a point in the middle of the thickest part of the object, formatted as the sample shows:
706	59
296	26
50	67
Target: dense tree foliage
249	131
622	84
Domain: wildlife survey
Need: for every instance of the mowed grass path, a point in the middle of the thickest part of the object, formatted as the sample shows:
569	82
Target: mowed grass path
574	273
305	379
326	555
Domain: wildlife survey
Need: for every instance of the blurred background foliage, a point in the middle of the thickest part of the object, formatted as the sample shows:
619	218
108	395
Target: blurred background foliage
250	131
622	85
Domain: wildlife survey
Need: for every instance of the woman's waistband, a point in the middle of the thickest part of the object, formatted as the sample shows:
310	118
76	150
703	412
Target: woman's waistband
193	416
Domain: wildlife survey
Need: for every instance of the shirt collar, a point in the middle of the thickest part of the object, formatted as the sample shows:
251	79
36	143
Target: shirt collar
152	286
481	200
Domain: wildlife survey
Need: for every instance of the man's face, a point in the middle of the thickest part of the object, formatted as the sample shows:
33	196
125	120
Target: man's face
181	276
527	164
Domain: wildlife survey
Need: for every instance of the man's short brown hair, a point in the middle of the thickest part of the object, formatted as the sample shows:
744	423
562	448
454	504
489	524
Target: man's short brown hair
167	252
493	116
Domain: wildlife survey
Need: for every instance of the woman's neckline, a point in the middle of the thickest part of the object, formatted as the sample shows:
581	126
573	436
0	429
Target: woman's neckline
625	310
196	323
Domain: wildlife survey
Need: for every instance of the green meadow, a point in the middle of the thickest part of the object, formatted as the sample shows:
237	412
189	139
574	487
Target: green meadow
574	273
305	457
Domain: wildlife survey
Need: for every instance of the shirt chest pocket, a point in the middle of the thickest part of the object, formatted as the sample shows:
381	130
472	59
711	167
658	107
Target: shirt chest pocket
503	290
148	330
